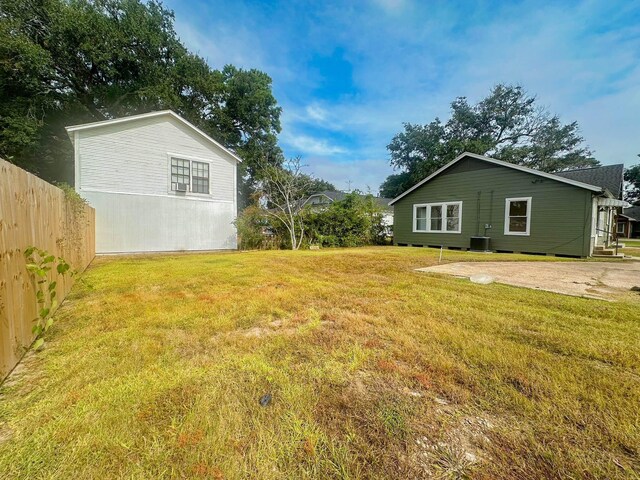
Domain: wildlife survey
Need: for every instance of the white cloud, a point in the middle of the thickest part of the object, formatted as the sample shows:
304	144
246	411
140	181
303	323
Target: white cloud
306	145
567	58
316	112
411	59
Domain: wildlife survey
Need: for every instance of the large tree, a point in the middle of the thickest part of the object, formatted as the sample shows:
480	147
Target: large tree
508	124
70	61
395	184
632	187
317	185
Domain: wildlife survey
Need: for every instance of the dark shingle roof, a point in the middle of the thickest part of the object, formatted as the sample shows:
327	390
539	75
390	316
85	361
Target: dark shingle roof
633	212
337	196
609	177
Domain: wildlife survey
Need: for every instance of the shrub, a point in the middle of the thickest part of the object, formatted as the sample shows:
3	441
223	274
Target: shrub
256	230
352	222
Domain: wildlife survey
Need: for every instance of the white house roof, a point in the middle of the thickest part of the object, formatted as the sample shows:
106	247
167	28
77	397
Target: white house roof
551	176
159	113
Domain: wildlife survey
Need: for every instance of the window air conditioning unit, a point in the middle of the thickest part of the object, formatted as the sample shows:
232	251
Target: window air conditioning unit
182	187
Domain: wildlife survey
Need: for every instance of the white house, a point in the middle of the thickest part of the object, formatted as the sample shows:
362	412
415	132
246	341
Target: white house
157	184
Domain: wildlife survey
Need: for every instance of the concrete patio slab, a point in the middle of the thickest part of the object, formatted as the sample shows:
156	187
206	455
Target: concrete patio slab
601	280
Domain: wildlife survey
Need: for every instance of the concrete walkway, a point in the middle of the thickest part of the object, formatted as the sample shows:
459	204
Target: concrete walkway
602	280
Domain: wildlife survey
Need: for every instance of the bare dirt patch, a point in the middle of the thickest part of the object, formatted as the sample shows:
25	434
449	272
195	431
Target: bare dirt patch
601	280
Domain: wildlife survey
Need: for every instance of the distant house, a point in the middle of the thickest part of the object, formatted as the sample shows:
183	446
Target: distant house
628	223
326	197
157	183
476	200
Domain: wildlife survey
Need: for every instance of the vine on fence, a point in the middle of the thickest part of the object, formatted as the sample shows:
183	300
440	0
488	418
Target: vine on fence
39	264
75	220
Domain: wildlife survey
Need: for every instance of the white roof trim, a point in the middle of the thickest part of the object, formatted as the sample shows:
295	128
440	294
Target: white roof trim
159	113
501	163
613	202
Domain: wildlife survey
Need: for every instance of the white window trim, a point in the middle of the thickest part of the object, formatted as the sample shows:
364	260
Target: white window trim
191	159
507	203
624	227
415	217
444	217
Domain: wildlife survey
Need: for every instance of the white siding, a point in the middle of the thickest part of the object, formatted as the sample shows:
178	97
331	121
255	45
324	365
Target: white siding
132	158
145	223
123	171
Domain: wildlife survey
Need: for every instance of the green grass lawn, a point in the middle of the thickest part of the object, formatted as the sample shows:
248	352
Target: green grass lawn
156	366
632	247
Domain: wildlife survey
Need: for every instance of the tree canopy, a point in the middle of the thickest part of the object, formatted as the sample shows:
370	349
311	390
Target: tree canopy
354	221
508	124
395	184
317	185
65	62
632	190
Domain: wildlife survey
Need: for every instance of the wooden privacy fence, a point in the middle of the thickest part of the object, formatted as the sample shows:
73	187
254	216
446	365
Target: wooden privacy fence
35	213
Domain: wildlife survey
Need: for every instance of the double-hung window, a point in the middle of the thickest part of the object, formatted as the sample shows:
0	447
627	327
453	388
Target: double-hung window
189	176
517	216
445	217
200	177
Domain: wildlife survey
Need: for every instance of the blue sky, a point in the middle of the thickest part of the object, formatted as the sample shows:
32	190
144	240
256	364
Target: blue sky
347	74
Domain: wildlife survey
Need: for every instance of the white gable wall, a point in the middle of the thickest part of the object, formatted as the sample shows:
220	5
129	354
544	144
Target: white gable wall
132	157
123	170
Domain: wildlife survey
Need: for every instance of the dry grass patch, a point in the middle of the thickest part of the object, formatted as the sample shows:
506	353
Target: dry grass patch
157	364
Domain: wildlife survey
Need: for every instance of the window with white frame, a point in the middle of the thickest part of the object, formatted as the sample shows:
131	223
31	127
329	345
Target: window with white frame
189	176
621	228
517	216
443	217
200	178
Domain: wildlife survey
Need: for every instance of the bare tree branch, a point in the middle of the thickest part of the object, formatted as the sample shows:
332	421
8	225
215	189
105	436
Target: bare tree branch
283	191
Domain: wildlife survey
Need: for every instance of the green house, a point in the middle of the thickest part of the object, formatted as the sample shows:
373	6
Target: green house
480	203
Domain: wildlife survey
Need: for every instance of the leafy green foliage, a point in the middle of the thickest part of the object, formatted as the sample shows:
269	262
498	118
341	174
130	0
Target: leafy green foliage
317	185
354	221
395	184
507	124
74	200
256	230
39	264
66	62
632	190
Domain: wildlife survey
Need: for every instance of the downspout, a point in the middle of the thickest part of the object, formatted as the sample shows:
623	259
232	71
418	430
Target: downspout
615	228
490	213
478	215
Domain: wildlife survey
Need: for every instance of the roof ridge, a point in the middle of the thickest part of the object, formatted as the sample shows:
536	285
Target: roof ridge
495	161
140	116
588	168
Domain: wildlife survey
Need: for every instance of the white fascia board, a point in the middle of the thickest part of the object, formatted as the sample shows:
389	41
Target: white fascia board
501	163
115	121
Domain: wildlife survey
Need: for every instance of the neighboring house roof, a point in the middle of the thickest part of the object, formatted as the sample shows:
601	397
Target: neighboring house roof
608	176
338	195
632	213
551	176
160	113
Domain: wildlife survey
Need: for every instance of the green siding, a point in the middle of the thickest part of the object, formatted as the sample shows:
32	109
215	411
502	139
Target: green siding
560	213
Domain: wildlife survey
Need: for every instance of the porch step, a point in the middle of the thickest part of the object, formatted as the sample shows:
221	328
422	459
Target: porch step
603	251
609	255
